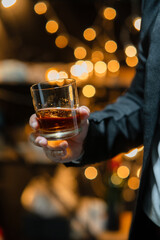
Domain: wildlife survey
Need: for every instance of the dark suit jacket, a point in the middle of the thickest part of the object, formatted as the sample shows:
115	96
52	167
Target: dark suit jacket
133	119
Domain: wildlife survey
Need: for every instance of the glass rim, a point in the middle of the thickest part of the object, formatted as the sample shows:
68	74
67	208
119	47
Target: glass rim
50	84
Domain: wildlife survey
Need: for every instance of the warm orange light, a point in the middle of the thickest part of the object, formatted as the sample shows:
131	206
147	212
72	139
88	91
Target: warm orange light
132	61
89	66
139	172
97	56
89	91
110	46
100	67
40	8
8	3
51	74
91	173
109	13
52	26
113	66
123	171
137	23
115	179
130	51
89	34
80	52
61	41
63	74
133	183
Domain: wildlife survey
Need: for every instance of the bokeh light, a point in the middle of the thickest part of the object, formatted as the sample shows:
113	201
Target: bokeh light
139	172
52	26
80	70
80	52
89	91
100	67
132	61
61	41
89	34
109	13
130	51
137	23
51	74
76	70
133	183
123	172
40	8
91	173
132	153
8	3
115	179
89	65
97	55
63	74
113	66
110	46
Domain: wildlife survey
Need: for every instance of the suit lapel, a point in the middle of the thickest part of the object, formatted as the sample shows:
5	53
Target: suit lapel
152	87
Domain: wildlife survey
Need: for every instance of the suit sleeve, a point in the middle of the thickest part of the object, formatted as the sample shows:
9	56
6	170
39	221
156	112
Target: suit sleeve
119	126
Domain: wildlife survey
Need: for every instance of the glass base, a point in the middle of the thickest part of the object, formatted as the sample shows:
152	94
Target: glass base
60	135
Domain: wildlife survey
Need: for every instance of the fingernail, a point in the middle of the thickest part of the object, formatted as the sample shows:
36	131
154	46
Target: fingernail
34	125
42	141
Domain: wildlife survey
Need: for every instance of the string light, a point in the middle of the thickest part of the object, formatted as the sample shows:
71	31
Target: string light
52	26
80	52
109	13
137	23
89	91
40	8
89	34
8	3
61	41
91	173
110	46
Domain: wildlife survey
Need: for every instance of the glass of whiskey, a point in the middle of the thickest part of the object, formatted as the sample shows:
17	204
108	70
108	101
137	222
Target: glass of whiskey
56	105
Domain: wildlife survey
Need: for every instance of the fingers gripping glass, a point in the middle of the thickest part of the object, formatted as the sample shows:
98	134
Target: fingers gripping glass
57	108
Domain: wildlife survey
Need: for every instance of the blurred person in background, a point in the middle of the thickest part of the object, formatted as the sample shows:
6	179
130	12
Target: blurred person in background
131	121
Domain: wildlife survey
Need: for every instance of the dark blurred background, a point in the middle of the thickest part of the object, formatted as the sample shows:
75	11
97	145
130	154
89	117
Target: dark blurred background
95	42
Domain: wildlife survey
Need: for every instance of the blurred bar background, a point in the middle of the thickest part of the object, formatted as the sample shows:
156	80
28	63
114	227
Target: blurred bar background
95	42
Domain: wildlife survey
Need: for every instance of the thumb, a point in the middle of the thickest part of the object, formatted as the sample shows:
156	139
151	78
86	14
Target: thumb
84	113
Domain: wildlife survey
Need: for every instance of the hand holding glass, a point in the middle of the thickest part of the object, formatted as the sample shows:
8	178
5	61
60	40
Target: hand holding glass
57	108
